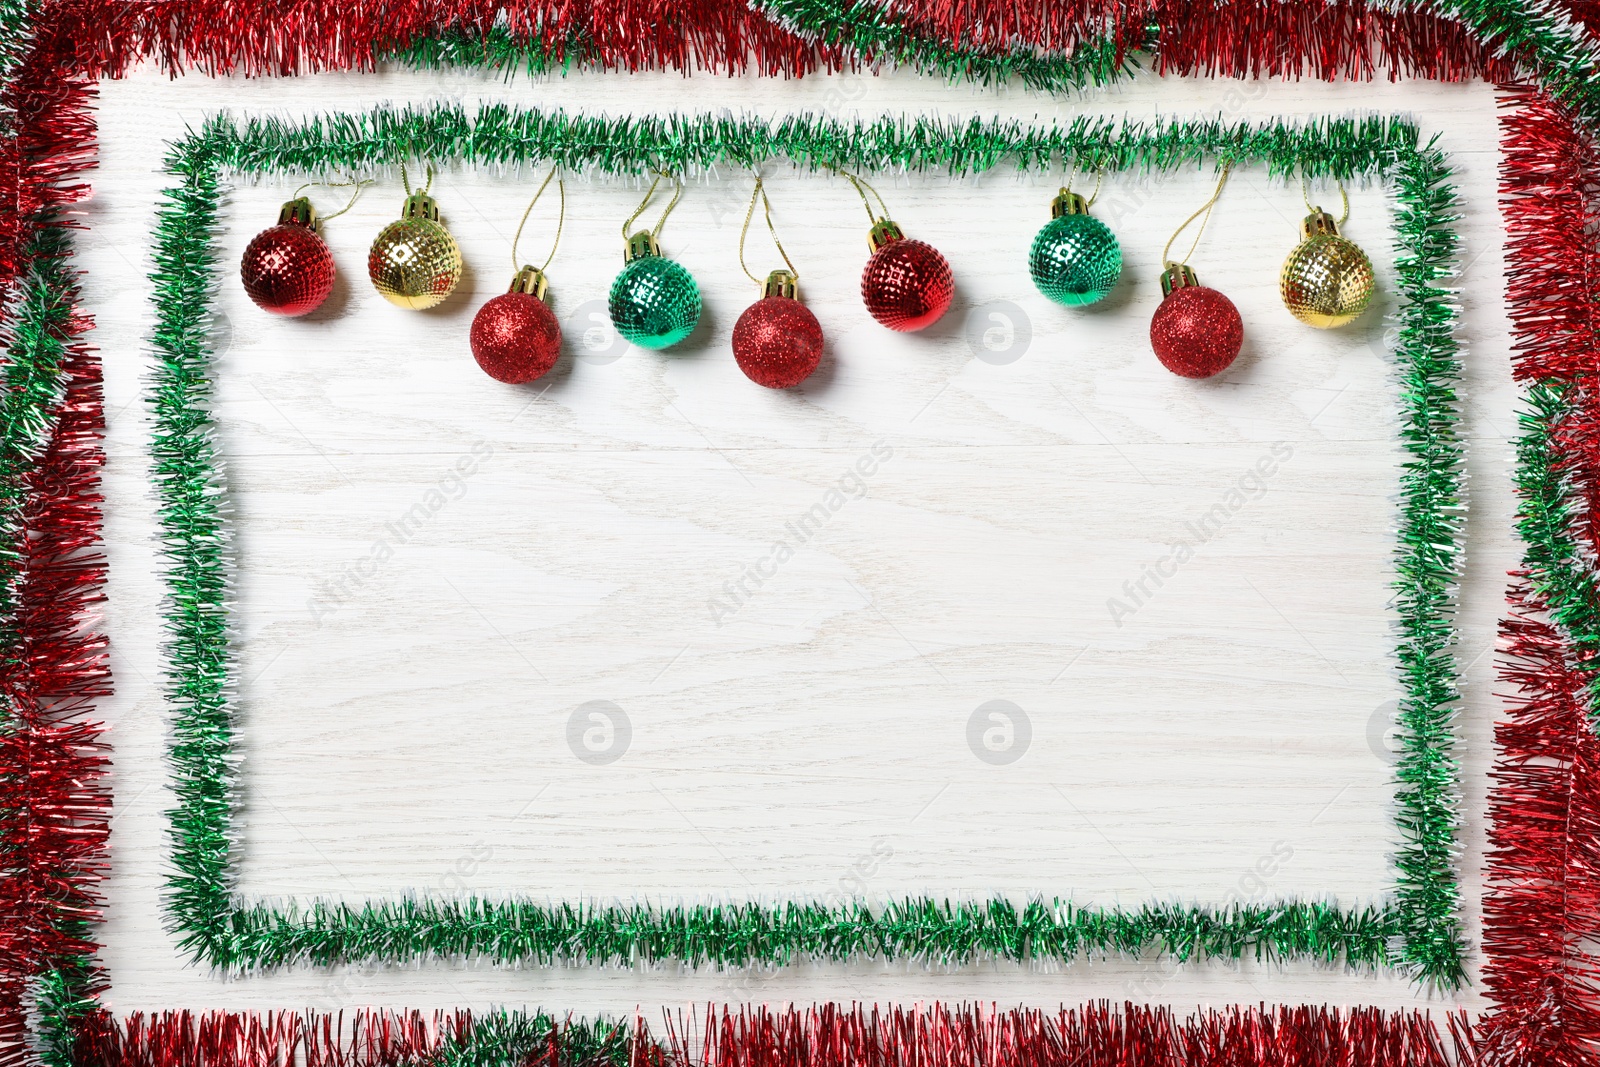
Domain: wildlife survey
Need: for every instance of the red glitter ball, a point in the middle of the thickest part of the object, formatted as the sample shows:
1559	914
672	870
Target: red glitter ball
515	338
287	269
1196	332
777	342
907	285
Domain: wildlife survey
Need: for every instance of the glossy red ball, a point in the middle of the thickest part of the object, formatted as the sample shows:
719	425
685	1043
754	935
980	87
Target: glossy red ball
515	338
777	342
1196	332
907	285
287	269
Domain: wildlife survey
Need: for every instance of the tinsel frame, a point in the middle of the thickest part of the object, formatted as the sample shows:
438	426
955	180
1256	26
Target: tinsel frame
1540	964
1418	932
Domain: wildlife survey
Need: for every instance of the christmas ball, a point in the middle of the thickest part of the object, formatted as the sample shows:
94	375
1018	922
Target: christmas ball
907	284
1327	280
1196	332
777	342
654	302
287	269
515	337
1075	258
414	262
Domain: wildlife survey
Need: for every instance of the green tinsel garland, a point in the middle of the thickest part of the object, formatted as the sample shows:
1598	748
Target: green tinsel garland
1419	931
1560	575
1428	563
36	320
865	31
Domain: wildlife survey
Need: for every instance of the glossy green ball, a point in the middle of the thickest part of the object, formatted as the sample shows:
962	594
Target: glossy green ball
654	302
1075	260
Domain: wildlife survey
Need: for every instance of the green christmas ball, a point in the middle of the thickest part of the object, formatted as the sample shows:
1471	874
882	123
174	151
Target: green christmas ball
654	302
1075	260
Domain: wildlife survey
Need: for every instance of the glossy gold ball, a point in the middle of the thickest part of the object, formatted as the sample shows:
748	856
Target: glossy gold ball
414	263
1327	281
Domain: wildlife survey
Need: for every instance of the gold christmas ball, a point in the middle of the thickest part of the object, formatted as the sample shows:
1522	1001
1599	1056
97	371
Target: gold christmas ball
414	262
1327	280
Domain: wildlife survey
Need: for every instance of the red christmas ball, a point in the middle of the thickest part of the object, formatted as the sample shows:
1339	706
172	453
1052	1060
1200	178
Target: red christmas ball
907	285
1196	332
515	338
287	269
777	342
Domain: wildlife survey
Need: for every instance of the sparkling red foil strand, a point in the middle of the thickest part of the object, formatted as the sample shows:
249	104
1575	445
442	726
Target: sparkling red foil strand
276	38
1091	1036
1542	906
1097	1035
256	37
53	803
269	1039
1324	39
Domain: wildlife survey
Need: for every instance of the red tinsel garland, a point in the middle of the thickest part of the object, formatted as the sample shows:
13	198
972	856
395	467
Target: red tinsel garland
1544	898
262	37
1542	909
1091	1036
48	143
1325	39
53	804
1098	1035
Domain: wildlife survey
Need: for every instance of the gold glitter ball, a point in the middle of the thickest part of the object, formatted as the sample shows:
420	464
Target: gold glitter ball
1327	281
414	262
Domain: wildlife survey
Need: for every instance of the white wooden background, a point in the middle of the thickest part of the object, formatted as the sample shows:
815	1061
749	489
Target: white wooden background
410	728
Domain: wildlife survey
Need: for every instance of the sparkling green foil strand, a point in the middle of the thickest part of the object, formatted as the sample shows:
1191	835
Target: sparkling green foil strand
1418	931
1543	39
868	34
872	31
1551	507
502	135
36	322
1429	565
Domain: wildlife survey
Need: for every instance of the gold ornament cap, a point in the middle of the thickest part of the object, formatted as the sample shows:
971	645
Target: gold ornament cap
1319	224
1176	276
530	280
1068	203
298	212
640	245
781	283
420	206
883	232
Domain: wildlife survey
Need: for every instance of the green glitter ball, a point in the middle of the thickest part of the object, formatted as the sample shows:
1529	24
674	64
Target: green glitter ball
1075	260
654	302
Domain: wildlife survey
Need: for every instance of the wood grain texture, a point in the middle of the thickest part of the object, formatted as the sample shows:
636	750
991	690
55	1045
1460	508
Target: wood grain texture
436	570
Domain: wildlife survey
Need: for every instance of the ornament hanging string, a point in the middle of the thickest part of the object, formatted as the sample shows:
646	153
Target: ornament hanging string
1205	210
1099	176
676	193
761	193
1344	199
561	219
859	183
360	185
405	179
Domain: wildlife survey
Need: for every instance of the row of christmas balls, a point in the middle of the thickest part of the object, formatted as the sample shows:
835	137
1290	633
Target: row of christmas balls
1075	260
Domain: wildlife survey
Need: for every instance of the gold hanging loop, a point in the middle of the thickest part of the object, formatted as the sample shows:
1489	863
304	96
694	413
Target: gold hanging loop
561	219
1205	210
1344	200
862	186
761	193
